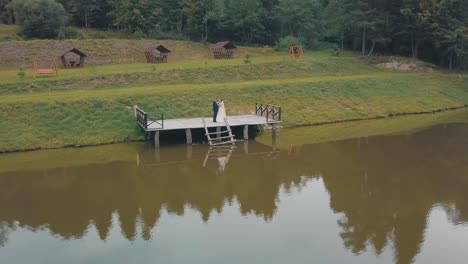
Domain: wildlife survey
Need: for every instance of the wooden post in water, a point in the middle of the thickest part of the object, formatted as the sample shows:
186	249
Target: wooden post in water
157	155
156	139
189	152
188	134
273	136
246	132
218	131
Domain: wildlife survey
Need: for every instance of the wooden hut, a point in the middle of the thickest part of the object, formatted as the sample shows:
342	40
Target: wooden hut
161	54
223	50
76	59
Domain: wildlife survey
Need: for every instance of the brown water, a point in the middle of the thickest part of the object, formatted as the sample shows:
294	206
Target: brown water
400	198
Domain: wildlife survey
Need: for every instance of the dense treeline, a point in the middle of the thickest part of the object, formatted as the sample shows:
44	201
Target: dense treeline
434	30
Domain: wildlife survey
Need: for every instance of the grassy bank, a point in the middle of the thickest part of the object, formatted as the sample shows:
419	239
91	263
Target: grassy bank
94	106
72	157
363	129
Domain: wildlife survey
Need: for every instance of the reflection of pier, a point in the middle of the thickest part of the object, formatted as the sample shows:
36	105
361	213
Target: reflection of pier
204	154
221	154
264	115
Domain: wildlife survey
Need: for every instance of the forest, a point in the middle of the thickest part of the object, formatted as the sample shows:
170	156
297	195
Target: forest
432	30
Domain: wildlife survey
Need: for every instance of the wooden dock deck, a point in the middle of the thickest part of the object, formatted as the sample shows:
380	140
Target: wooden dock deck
264	115
196	123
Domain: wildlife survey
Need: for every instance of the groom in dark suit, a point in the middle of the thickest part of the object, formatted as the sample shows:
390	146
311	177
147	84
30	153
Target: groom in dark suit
215	109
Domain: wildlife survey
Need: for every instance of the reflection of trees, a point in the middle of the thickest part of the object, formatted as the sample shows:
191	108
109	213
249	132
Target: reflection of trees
384	187
4	232
68	201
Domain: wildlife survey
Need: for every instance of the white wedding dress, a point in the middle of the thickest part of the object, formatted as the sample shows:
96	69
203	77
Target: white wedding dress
221	113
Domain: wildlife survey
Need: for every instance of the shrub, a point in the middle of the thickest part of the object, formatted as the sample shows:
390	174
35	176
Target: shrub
61	35
321	45
39	18
336	52
284	43
247	59
21	73
139	34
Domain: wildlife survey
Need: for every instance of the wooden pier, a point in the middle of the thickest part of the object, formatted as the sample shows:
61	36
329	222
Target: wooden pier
264	115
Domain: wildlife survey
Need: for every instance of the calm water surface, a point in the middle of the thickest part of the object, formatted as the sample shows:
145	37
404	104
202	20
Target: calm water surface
398	198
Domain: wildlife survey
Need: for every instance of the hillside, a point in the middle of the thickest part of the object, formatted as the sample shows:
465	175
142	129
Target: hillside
16	54
93	105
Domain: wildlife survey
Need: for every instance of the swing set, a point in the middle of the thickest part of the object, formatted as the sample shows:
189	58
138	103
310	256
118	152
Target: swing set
45	66
296	51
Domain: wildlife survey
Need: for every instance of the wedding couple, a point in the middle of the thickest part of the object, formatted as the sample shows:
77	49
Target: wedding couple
219	111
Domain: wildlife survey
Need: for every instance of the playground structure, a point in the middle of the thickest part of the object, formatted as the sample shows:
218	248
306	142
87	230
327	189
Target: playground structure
76	58
159	58
296	51
45	66
223	50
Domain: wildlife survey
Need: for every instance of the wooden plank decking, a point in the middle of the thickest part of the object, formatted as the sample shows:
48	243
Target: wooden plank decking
196	123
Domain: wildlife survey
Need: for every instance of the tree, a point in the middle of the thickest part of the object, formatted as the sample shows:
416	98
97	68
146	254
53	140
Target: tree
413	25
454	44
336	20
301	18
5	14
135	15
447	21
170	16
361	15
202	17
39	18
245	20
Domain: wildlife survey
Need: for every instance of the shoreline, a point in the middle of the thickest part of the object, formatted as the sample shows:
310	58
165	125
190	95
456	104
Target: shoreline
392	115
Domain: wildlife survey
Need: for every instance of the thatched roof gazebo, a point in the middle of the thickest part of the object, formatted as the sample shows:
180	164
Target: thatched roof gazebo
159	58
223	50
73	62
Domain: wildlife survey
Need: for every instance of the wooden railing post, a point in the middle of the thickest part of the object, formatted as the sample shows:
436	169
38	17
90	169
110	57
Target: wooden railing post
268	113
162	120
272	112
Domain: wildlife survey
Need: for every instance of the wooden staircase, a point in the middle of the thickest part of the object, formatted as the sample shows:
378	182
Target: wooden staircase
221	137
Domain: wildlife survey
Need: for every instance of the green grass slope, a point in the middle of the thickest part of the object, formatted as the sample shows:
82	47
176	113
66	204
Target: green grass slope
86	107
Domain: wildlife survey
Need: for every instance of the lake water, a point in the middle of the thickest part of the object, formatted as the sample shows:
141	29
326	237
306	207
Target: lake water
387	191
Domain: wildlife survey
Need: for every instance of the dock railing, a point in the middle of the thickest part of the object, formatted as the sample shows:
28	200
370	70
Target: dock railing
143	118
272	113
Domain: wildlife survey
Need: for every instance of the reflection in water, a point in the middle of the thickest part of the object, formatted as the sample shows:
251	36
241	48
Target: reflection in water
384	188
4	231
221	154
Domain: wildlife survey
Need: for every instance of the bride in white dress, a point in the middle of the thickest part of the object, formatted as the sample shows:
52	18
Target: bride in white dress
221	111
